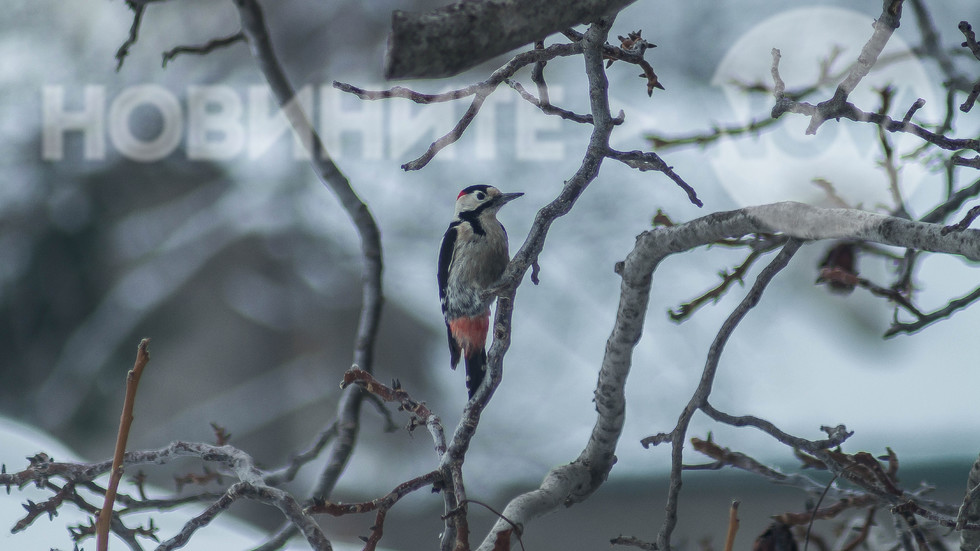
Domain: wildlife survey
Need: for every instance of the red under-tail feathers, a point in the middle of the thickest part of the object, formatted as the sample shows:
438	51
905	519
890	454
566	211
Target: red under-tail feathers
468	337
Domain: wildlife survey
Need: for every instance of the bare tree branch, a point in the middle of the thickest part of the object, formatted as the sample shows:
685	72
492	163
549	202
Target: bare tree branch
884	26
971	39
263	494
123	50
925	319
254	29
451	39
289	472
250	485
546	107
421	414
932	46
125	422
382	505
686	309
632	50
649	160
479	91
203	49
952	204
700	398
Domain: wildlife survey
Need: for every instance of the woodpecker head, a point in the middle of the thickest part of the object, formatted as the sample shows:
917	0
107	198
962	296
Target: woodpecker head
483	198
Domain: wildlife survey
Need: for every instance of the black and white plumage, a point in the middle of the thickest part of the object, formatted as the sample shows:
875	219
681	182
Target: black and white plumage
473	256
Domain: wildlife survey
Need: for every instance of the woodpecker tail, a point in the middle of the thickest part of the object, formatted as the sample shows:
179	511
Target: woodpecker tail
454	348
468	338
476	368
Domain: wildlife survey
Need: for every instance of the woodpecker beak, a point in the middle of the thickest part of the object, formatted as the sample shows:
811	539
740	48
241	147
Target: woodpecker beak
505	198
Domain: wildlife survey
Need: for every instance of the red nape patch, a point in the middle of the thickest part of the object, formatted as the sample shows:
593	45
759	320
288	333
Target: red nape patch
471	333
462	193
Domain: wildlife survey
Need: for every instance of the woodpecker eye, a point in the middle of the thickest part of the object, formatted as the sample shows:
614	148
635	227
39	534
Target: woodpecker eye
480	196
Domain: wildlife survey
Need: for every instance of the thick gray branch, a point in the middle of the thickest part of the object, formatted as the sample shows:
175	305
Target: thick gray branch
454	38
808	222
568	484
348	410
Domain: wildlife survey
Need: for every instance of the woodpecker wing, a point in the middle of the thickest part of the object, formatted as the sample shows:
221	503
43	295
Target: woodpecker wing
445	261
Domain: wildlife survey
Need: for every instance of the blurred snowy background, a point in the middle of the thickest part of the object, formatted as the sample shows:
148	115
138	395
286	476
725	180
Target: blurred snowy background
245	272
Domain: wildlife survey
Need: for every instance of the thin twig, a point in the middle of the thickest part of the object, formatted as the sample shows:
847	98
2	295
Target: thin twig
450	137
753	126
884	26
757	125
516	529
732	526
479	91
778	86
829	512
835	435
971	98
932	47
813	515
891	169
288	473
537	76
547	107
916	105
382	505
955	201
862	536
828	188
894	295
123	51
288	505
737	275
971	39
406	93
420	412
963	224
648	160
125	422
203	49
629	55
925	319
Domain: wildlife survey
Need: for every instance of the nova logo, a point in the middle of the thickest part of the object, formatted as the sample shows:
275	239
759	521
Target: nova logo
783	163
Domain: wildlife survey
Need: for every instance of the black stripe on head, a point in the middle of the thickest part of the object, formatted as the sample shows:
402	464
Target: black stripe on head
473	188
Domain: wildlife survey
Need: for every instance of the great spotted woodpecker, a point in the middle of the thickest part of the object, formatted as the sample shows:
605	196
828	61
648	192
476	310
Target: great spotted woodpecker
473	256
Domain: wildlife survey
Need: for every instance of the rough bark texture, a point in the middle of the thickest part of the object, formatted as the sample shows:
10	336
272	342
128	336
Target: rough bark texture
454	38
970	511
